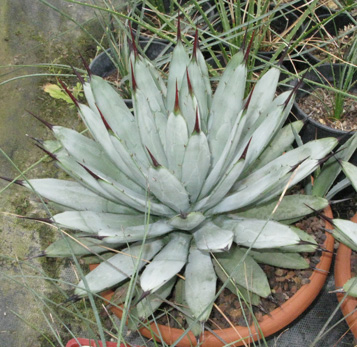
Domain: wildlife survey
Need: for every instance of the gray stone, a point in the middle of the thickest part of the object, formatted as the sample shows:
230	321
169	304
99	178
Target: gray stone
32	33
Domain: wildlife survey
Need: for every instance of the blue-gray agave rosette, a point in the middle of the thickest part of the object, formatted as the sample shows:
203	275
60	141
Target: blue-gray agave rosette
186	183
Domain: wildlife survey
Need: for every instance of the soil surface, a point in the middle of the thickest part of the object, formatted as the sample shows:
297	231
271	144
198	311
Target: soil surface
319	105
337	48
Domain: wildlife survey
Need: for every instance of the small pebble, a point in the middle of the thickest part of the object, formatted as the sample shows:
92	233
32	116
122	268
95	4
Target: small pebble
279	272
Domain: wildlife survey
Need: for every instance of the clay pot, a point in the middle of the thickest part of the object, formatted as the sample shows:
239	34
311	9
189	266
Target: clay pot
270	324
342	275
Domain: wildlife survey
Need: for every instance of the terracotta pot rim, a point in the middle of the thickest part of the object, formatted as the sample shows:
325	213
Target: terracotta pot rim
270	324
342	275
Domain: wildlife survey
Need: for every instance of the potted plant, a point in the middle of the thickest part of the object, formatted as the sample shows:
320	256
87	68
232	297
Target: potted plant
329	37
325	101
273	26
178	188
321	99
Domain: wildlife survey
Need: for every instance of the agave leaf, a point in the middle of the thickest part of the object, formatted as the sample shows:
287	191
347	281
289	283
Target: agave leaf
89	96
90	154
235	288
79	173
317	150
123	194
201	90
119	267
280	144
66	247
350	287
149	82
291	207
117	115
161	124
265	130
248	193
132	199
149	132
224	160
97	128
231	68
146	307
101	135
223	187
200	284
196	164
350	171
205	75
135	233
338	187
264	133
52	146
167	263
260	100
226	108
180	298
310	245
270	180
132	168
74	196
178	66
332	168
168	189
188	105
176	141
157	77
210	237
258	233
345	231
187	222
243	270
302	171
93	222
280	259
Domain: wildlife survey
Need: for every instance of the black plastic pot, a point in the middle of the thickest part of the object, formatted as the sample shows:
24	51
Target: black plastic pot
319	10
313	129
102	65
332	27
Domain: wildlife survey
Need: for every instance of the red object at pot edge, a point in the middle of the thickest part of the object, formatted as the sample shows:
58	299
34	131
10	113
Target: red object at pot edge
80	342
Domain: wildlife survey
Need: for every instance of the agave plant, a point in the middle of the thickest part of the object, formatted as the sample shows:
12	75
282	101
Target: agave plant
187	183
